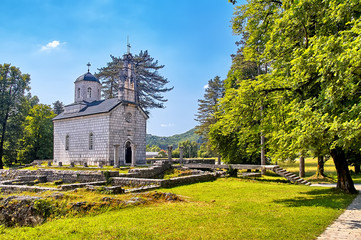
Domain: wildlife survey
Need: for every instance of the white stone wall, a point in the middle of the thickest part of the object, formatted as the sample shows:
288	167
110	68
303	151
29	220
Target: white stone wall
133	131
78	130
84	85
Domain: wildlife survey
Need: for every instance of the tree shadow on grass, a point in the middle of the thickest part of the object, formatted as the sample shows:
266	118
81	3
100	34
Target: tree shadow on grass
327	198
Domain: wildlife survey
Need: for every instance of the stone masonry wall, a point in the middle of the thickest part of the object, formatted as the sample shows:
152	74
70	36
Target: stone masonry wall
138	182
78	130
52	175
133	131
157	169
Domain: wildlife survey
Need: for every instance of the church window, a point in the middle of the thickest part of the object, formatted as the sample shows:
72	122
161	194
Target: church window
67	142
78	92
91	141
89	92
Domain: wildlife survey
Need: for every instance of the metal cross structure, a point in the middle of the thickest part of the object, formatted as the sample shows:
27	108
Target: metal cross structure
88	65
128	45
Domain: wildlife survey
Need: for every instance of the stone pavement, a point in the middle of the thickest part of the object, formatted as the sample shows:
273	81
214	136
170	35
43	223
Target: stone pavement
348	225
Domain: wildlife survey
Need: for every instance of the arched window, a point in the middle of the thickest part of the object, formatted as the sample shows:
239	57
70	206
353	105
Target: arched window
89	92
91	141
67	142
78	92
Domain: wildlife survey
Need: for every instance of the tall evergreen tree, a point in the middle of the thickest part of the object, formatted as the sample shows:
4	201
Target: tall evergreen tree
58	107
150	84
13	86
207	107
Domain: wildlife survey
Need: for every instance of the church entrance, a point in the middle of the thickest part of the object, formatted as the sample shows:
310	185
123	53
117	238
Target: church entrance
128	153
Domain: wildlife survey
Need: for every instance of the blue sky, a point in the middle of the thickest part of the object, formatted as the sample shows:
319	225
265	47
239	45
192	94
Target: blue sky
54	40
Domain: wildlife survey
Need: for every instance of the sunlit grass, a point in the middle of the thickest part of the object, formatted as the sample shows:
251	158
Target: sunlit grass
223	209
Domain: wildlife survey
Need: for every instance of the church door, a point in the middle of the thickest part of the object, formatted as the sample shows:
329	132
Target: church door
128	153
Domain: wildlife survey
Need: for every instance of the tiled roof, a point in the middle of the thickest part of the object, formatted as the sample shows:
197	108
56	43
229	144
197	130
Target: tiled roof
95	107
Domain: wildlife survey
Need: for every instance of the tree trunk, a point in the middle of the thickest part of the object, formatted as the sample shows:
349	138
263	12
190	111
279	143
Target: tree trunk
320	167
344	180
302	167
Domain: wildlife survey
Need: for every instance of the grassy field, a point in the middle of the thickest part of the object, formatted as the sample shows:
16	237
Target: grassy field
228	208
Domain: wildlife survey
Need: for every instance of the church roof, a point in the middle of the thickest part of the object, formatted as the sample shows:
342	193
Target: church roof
95	107
87	77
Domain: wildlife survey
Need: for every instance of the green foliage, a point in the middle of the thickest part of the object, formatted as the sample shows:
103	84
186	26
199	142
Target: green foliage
37	142
153	148
164	142
13	87
207	108
58	107
44	206
108	179
309	54
231	172
190	149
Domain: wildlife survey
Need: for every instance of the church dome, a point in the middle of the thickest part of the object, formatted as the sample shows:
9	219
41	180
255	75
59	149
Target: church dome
87	77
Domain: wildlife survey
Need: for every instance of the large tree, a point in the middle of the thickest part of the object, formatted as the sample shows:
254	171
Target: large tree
13	86
312	87
37	142
207	108
239	145
15	129
150	84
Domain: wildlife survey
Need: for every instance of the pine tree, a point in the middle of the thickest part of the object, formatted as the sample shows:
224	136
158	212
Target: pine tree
208	106
58	107
150	84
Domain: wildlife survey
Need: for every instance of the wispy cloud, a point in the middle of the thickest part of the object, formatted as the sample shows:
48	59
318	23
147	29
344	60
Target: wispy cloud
165	125
51	45
205	86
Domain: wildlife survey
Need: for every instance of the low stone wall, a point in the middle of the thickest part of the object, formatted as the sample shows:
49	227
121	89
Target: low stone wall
139	182
67	176
22	188
156	170
188	180
135	182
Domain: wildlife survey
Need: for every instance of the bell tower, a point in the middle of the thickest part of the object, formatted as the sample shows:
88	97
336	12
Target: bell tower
127	80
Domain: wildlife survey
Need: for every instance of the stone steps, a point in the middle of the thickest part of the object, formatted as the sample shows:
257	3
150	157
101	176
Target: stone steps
290	176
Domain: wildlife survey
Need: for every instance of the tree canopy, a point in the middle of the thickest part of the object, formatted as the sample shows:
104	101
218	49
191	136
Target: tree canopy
13	88
37	142
150	84
309	89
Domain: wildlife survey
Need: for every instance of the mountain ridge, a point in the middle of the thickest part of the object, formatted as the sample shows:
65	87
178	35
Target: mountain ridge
164	142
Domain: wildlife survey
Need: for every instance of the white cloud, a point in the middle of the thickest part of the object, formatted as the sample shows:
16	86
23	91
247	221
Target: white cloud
205	86
51	45
165	125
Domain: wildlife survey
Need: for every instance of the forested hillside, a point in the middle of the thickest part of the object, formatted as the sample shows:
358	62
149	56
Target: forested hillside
163	142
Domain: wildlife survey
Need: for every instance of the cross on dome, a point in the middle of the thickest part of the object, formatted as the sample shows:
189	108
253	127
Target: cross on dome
88	65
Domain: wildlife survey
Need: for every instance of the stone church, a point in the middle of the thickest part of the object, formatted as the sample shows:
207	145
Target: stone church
95	131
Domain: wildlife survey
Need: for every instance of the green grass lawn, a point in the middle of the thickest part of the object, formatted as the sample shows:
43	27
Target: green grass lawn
228	208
